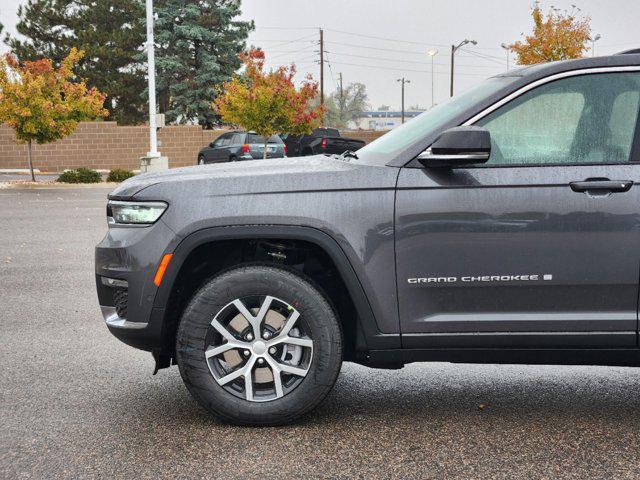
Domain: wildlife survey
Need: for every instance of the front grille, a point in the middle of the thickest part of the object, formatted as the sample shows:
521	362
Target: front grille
120	299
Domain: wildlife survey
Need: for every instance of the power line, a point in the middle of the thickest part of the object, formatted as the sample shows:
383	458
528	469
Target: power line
286	42
288	28
410	52
330	69
406	61
289	52
384	67
384	38
484	57
398	40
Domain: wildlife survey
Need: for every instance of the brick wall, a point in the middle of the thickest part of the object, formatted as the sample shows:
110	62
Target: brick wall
105	145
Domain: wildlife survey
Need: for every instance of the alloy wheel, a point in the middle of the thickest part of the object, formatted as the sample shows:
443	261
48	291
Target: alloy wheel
258	348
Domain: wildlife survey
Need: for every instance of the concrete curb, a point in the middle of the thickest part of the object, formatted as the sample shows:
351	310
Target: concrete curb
52	185
19	171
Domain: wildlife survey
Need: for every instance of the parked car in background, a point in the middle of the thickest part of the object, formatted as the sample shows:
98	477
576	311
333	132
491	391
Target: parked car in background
321	140
234	146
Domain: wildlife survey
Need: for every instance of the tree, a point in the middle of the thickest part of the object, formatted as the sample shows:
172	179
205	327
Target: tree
351	103
198	47
110	32
44	103
560	36
268	102
331	117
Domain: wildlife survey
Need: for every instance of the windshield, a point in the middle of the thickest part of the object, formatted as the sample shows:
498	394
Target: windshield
386	147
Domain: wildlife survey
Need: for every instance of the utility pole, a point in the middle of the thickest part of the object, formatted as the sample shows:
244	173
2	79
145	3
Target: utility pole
403	80
432	53
322	71
454	48
341	98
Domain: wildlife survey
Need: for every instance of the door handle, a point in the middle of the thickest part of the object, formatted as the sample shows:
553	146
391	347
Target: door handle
601	185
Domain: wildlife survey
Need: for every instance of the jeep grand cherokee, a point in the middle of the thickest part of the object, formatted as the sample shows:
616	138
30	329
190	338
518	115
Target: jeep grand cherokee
502	226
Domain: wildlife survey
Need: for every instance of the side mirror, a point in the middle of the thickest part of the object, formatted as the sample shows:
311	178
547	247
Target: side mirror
212	144
458	146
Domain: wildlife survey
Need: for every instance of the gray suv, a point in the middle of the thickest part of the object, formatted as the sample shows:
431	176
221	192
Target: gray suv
500	227
237	146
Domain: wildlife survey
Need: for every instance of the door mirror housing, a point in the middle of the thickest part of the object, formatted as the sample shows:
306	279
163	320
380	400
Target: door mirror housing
458	146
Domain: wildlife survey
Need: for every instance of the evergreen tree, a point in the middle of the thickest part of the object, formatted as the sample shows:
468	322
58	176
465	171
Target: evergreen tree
110	32
198	47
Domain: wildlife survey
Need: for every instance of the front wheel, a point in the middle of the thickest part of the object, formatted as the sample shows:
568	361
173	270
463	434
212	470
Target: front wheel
259	345
201	160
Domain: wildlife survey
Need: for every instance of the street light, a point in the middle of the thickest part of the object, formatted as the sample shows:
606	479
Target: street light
593	44
454	48
403	80
432	53
506	47
151	65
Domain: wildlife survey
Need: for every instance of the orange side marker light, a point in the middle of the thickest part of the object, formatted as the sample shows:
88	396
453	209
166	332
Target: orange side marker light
164	263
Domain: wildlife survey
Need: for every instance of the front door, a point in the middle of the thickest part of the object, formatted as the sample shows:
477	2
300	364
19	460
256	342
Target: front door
540	247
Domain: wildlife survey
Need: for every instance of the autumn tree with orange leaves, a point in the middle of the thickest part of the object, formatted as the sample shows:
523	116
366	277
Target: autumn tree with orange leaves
560	35
43	103
268	103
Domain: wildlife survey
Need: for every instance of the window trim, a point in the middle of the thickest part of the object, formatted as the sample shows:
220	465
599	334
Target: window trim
635	145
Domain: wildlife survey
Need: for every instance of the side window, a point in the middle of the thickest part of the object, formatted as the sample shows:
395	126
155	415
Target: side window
222	140
236	139
225	140
577	120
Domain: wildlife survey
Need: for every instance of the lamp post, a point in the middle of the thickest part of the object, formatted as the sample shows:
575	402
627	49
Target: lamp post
432	53
506	48
593	44
151	65
403	80
454	48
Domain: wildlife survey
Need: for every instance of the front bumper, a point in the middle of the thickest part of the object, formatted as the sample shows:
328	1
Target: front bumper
113	320
126	261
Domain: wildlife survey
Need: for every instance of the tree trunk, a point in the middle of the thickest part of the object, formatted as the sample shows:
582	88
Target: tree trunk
264	154
33	177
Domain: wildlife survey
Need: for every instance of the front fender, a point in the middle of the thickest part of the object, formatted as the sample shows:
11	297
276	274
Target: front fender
373	337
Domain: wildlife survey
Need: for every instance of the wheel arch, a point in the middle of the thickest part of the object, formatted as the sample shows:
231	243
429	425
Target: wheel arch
367	335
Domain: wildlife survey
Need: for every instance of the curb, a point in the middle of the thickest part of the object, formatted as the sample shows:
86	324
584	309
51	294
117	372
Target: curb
52	186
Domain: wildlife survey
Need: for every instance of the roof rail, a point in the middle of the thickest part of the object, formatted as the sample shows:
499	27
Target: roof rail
629	52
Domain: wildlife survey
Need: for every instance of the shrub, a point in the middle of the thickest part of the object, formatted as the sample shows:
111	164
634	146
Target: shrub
119	175
81	175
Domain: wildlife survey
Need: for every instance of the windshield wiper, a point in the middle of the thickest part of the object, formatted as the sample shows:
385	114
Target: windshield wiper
349	153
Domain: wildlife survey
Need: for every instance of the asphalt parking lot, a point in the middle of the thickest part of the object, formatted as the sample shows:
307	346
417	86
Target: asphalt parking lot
74	402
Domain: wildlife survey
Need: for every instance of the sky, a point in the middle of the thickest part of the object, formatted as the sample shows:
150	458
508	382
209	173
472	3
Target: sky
376	42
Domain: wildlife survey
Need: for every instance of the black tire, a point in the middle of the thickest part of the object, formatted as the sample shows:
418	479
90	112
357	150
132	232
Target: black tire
259	280
201	160
307	152
233	158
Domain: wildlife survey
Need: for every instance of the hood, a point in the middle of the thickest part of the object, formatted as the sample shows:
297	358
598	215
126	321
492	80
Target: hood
257	176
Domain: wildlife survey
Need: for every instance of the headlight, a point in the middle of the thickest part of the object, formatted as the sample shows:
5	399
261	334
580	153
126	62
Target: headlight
134	213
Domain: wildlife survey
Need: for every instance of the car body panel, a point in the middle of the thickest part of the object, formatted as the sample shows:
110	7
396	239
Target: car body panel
476	222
